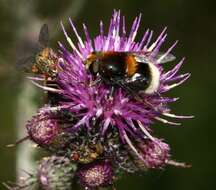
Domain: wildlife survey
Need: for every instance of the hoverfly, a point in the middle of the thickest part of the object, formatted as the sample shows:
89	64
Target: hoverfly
42	60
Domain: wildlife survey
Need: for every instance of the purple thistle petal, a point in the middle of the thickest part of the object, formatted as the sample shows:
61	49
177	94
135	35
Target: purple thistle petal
148	41
143	40
178	116
77	35
167	76
157	46
179	77
88	39
169	87
123	28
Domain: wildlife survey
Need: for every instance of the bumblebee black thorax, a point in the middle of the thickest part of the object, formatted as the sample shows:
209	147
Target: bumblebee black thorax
121	69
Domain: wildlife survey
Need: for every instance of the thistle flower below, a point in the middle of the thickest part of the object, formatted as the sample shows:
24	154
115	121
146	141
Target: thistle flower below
97	174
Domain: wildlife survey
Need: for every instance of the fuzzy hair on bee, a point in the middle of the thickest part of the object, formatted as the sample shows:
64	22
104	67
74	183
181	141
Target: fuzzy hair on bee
132	71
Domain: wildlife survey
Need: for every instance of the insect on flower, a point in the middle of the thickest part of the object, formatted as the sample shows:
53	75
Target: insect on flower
108	93
133	71
42	59
116	64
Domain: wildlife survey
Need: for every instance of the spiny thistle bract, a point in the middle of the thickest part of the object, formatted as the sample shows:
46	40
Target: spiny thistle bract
106	132
53	173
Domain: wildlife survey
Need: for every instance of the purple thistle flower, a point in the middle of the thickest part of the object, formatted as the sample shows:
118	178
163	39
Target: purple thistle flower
89	103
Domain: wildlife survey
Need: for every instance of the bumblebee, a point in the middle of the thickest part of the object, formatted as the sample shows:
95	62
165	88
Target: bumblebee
41	60
132	71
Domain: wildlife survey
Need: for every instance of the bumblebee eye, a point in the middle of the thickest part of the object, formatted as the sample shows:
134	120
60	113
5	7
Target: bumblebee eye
94	67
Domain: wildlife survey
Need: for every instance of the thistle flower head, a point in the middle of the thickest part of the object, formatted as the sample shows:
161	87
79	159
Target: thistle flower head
132	117
45	129
42	128
97	174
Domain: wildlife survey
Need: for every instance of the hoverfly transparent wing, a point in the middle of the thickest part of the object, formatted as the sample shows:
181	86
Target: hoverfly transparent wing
27	51
25	63
44	35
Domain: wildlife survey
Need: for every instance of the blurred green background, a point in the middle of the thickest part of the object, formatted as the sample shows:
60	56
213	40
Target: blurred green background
192	22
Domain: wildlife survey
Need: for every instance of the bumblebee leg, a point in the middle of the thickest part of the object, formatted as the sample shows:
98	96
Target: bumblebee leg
129	90
111	93
95	82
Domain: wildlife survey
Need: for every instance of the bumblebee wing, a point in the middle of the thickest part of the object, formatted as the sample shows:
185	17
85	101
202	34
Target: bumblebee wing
147	57
44	35
166	58
141	58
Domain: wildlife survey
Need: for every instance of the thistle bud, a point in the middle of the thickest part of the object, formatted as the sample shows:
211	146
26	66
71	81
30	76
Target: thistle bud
155	153
55	173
